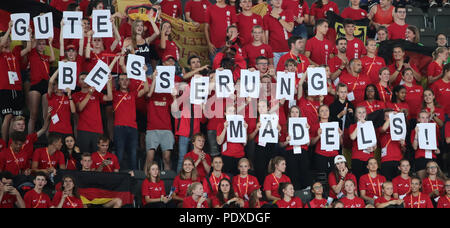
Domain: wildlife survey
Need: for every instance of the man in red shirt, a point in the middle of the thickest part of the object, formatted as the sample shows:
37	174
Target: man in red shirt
172	8
35	198
218	18
9	196
257	48
296	45
339	62
355	47
14	158
195	11
371	62
278	26
356	81
102	160
48	159
246	20
319	49
397	30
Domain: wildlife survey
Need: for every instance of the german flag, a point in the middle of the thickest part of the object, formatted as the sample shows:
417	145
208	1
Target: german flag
98	187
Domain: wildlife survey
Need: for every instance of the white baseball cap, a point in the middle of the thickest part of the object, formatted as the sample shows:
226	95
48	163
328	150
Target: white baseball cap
339	158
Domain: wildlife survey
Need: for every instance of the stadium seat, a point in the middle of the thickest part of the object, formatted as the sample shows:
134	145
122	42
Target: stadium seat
441	23
168	177
304	195
427	37
415	16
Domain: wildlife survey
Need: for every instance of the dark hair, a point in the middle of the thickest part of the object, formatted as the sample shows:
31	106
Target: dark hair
227	63
64	148
52	138
103	138
336	172
395	91
86	154
75	186
281	187
290	61
192	57
321	21
253	199
72	6
92	5
292	40
399	46
220	195
445	69
424	105
7	175
319	4
400	6
377	95
348	21
40	173
339	39
18	136
261	58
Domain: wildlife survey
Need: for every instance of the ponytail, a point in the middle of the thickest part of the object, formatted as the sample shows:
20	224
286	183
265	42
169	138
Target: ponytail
273	162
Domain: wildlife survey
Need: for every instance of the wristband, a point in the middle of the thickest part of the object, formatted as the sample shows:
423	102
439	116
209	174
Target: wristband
279	18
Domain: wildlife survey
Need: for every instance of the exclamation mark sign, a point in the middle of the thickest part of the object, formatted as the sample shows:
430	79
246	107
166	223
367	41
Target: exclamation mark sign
426	136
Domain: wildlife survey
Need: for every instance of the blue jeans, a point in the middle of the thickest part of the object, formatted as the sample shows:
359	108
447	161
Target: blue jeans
126	140
149	69
183	147
300	30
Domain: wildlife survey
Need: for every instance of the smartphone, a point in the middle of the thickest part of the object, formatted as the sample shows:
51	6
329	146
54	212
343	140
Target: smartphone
406	59
172	190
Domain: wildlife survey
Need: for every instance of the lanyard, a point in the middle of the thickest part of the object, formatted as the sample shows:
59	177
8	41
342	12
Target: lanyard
418	201
312	105
70	201
373	187
39	201
215	183
370	68
103	160
354	84
117	106
60	104
437	186
275	178
387	144
49	160
239	185
44	62
397	108
13	60
15	158
370	106
383	91
298	60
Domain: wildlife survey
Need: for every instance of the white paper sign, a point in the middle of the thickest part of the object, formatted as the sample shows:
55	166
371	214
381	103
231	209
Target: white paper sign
135	67
317	81
101	23
165	80
329	139
285	85
250	84
397	125
43	26
366	135
427	136
224	83
298	132
268	132
67	75
236	131
199	90
72	28
98	77
21	23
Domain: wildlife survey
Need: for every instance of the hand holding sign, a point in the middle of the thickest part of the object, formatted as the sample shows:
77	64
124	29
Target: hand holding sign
99	76
330	139
67	75
165	81
317	81
72	28
397	125
43	26
298	131
268	131
20	25
224	83
250	84
366	135
285	85
101	23
427	136
236	131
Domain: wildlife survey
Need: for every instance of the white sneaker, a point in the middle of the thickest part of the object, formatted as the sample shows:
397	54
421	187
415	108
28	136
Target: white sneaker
433	3
447	4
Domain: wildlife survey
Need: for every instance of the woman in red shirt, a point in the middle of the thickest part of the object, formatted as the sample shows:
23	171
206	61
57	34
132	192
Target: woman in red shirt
351	200
182	181
152	189
433	183
68	196
437	114
318	201
244	183
370	184
211	182
387	200
297	164
416	199
226	197
360	158
277	166
372	100
434	69
383	86
414	93
398	103
337	178
402	183
444	201
354	12
202	160
39	76
195	198
255	199
72	153
288	200
165	44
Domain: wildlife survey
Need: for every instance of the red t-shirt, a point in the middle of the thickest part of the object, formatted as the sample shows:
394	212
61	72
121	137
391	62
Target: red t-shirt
251	52
125	29
214	181
278	35
441	90
61	107
439	114
245	186
434	69
393	67
421	201
8	201
401	186
200	168
316	203
28	145
10	61
320	50
353	203
181	186
245	25
229	149
444	202
428	186
319	13
71	164
45	160
354	14
310	111
295	5
355	49
393	148
172	8
385	93
332	182
383	200
372	186
357	85
271	183
13	162
372	66
398	107
301	67
414	98
158	112
219	19
152	190
314	133
183	124
35	200
90	118
2	144
104	56
420	153
69	202
124	105
295	202
97	160
39	67
61	5
358	154
197	10
447	130
189	202
396	31
171	49
372	106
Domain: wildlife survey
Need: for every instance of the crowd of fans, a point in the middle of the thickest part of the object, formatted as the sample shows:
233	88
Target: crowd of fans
94	132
